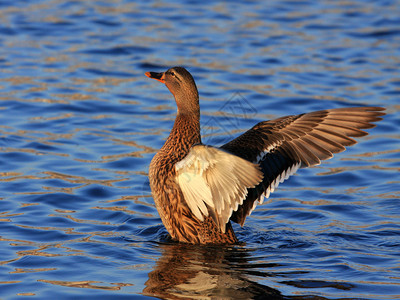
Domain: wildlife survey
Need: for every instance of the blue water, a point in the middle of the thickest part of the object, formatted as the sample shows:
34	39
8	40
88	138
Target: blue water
80	123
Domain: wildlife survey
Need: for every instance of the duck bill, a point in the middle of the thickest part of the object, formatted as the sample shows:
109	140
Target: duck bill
157	76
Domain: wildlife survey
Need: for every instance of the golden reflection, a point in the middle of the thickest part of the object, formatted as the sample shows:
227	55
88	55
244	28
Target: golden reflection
10	281
69	190
44	249
135	199
6	214
389	195
32	193
125	210
76	96
130	102
59	117
33	151
7	174
26	294
28	204
82	221
18	80
38	252
161	108
65	211
116	157
198	272
118	172
333	171
58	58
31	270
41	88
146	149
378	153
100	81
80	179
87	284
102	116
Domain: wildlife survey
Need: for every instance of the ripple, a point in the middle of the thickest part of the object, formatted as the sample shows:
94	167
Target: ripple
120	50
376	33
81	122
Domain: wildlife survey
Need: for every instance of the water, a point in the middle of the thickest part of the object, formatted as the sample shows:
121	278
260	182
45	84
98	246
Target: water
80	123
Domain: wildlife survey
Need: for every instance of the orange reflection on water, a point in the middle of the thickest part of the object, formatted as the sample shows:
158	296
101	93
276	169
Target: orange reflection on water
87	284
31	270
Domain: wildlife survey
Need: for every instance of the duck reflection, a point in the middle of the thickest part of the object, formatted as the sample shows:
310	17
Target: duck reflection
205	272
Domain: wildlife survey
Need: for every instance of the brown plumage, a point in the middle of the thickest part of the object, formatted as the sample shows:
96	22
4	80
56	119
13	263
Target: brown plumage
199	189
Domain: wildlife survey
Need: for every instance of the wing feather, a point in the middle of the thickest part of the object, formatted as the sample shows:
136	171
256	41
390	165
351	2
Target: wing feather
283	145
215	182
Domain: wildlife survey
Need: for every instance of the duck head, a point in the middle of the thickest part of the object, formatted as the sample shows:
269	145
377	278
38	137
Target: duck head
181	84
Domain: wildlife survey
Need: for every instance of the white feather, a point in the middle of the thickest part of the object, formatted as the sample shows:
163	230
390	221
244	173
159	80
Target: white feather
211	178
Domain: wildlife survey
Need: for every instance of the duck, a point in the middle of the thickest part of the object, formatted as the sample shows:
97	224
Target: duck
199	190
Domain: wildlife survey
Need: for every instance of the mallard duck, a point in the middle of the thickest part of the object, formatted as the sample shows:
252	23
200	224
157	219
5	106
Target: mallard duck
199	189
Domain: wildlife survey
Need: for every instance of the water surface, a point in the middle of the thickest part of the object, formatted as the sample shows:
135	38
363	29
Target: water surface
80	124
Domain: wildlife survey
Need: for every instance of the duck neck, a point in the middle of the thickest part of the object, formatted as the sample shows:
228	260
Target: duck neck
184	134
187	122
187	101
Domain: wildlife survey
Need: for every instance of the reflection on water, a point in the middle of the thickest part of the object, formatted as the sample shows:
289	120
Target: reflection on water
87	284
204	272
80	123
193	272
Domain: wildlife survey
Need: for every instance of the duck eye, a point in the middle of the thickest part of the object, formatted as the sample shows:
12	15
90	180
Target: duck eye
172	73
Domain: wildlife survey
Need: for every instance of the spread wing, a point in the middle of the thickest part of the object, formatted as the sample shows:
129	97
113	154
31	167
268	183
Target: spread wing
215	182
283	145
